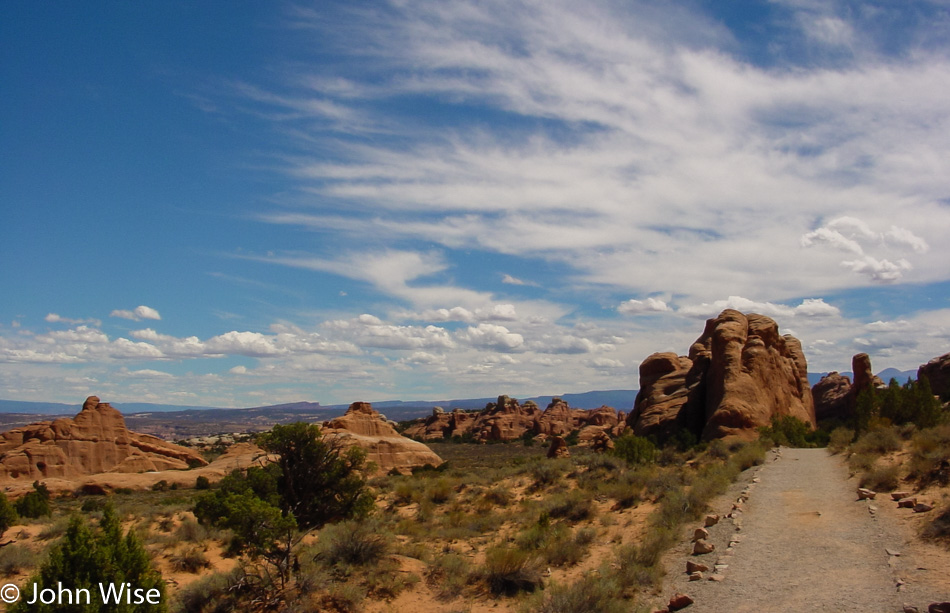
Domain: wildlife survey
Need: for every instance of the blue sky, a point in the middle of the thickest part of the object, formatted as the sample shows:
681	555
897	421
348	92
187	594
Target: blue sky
244	203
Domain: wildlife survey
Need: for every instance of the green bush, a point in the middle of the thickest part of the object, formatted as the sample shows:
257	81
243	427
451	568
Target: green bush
87	557
8	515
202	483
36	503
634	450
450	572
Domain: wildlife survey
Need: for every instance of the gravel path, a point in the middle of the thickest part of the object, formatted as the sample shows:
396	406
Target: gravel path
804	544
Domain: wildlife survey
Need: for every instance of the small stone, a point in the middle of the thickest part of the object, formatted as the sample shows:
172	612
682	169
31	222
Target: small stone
711	520
701	547
755	480
695	567
866	494
922	507
700	533
679	601
939	607
697	576
895	496
908	502
892	552
910	609
716	577
721	567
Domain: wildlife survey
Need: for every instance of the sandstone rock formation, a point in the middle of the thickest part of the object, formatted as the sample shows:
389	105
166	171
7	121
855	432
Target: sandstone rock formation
95	441
558	448
739	374
366	428
937	372
831	396
508	420
836	397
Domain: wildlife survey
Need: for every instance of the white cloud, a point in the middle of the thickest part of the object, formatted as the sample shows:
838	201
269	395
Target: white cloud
883	271
809	308
491	336
650	305
139	313
55	318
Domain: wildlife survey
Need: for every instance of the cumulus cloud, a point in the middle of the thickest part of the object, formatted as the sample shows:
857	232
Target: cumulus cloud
650	305
809	308
139	313
884	271
491	336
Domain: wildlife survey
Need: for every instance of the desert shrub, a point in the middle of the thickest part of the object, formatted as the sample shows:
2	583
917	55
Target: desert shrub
634	450
354	543
500	496
930	455
36	503
878	441
343	597
862	462
717	449
573	507
509	570
16	558
190	531
591	594
710	482
939	527
53	530
439	491
569	550
216	592
663	481
881	478
191	560
8	515
839	440
123	491
161	486
202	483
449	573
747	455
547	472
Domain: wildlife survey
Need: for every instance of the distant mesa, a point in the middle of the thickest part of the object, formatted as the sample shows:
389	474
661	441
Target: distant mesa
364	427
738	374
96	440
507	420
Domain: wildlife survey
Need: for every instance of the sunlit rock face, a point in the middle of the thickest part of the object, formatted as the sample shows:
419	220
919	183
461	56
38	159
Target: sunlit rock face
95	441
364	427
738	374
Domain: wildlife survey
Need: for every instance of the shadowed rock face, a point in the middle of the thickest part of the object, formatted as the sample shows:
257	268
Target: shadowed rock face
95	441
364	427
832	397
937	372
739	374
